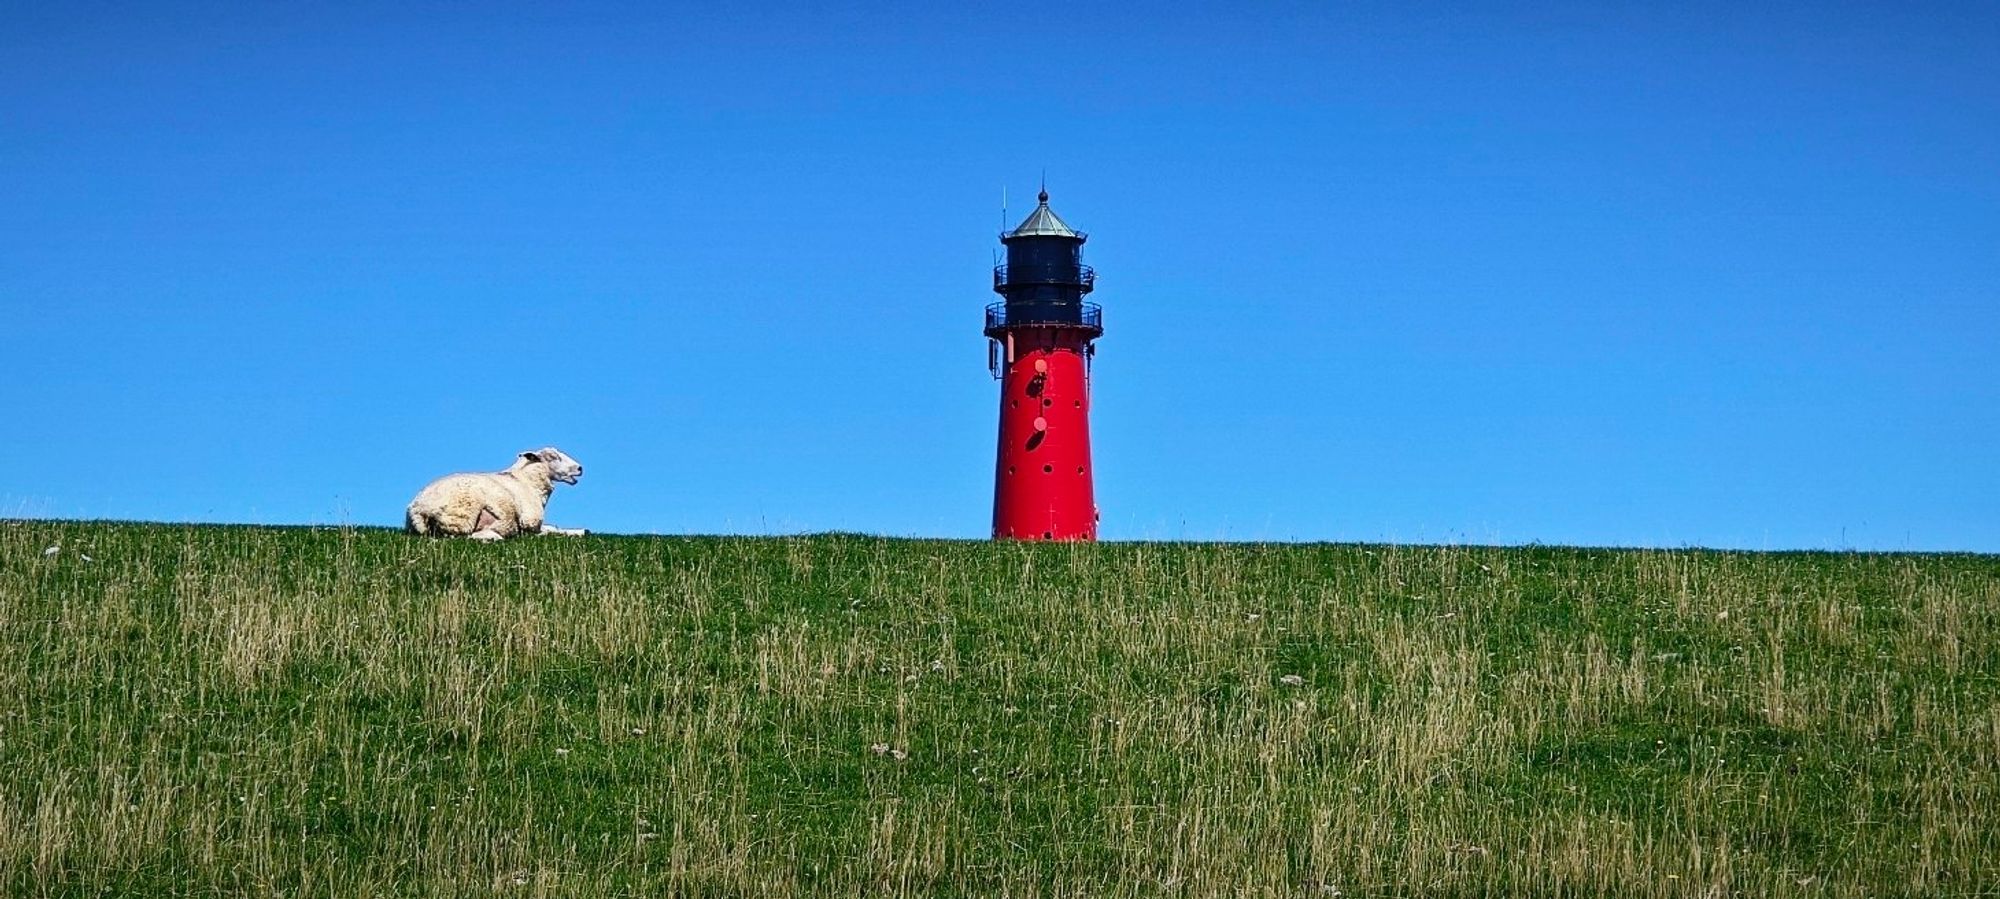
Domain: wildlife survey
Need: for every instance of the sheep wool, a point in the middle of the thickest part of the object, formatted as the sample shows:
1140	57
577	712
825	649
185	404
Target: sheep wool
494	505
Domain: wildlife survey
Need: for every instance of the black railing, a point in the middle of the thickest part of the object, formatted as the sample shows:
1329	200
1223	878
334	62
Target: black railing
1086	316
1081	275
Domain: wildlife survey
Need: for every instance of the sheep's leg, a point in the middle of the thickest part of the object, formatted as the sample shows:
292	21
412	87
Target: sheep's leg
486	527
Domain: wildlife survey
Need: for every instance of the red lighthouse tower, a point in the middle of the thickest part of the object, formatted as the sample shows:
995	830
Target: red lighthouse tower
1042	339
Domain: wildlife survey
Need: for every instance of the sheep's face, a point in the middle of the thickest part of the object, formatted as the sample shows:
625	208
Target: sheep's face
561	466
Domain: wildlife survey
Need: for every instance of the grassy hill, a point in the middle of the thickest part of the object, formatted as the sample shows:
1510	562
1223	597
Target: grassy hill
352	712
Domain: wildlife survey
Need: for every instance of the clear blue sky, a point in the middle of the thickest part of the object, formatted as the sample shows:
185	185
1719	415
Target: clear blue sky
1597	274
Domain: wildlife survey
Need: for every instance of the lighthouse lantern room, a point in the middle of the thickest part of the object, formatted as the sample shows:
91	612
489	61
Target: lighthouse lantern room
1042	338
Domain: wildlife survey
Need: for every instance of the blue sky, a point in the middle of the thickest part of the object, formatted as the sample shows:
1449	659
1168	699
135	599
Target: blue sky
1596	274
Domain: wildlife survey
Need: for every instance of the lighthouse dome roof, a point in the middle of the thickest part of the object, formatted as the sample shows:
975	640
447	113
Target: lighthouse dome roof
1044	222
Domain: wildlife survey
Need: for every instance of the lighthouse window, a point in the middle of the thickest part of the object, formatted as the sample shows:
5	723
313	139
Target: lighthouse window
1046	402
1048	535
1079	469
1048	469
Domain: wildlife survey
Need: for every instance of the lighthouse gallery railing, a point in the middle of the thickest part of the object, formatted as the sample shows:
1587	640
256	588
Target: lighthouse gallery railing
1065	315
1014	275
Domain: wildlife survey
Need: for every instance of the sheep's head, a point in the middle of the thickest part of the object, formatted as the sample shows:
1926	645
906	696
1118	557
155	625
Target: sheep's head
561	466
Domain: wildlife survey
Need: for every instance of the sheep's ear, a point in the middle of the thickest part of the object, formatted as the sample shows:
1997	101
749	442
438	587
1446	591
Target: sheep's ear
532	456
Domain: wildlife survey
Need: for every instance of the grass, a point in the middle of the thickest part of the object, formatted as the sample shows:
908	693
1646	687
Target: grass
209	711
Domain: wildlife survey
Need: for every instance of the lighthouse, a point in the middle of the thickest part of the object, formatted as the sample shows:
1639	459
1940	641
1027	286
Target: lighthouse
1041	338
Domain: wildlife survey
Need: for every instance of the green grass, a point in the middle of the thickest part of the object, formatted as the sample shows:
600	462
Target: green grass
210	711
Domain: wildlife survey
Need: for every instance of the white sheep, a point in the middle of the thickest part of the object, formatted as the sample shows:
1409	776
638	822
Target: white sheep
497	505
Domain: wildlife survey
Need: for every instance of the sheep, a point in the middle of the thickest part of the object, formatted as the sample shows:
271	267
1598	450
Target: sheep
495	506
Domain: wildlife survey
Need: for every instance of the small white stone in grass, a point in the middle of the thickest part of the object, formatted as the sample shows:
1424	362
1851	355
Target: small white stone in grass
52	550
638	731
1292	680
562	752
1722	615
85	556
